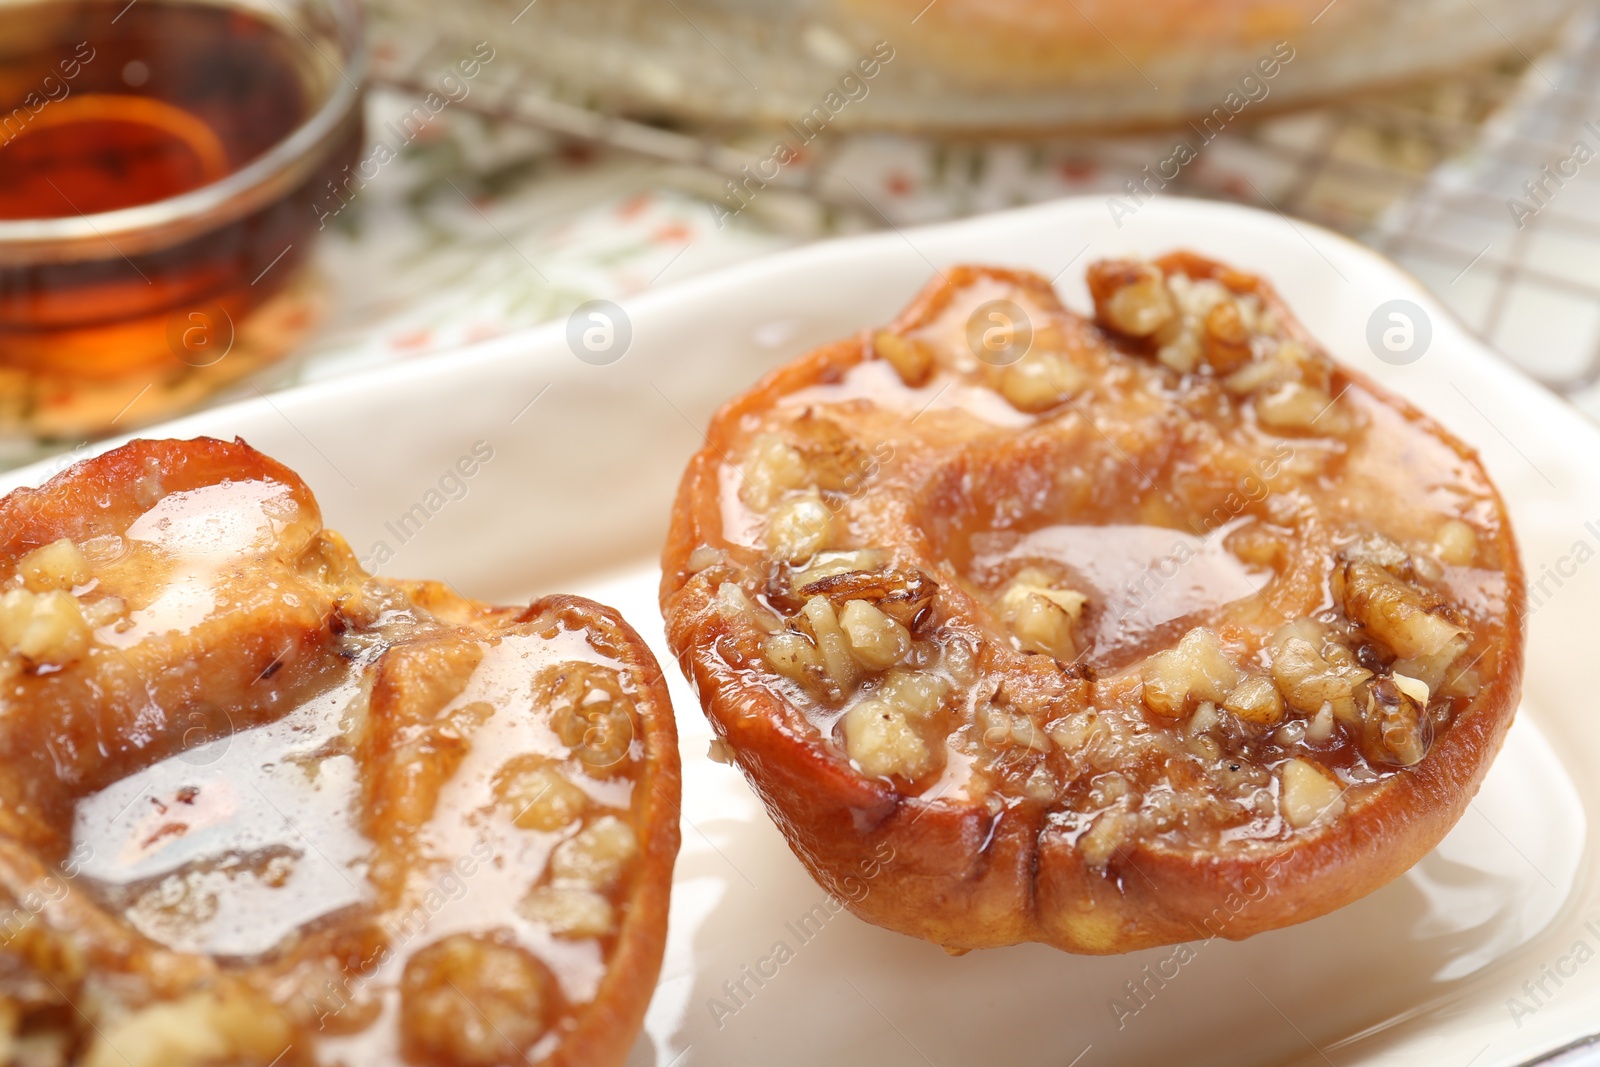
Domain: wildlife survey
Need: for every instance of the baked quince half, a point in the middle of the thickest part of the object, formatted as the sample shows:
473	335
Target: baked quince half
1104	632
258	807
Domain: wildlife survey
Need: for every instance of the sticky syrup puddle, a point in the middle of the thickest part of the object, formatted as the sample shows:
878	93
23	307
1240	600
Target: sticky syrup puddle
232	845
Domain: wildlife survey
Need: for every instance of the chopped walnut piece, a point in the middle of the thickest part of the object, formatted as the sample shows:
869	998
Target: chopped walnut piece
704	557
103	611
795	657
1456	543
1004	729
876	640
800	528
1309	793
1197	668
1320	728
537	795
960	660
1256	700
881	740
1262	374
832	458
910	357
1411	687
734	603
832	643
43	627
772	468
597	856
569	911
881	734
903	594
1227	339
58	565
832	564
1130	297
1375	548
201	1030
590	714
917	693
1308	681
1181	340
1397	727
1101	842
1078	732
1040	380
472	1001
1296	407
1397	613
1042	618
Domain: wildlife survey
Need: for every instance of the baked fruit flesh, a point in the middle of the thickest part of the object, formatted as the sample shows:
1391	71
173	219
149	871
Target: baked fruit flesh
260	807
1109	632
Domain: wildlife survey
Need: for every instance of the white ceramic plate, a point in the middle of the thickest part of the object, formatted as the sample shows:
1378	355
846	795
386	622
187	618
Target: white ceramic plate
1481	955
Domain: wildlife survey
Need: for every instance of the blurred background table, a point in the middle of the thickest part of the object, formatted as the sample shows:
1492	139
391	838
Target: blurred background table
503	212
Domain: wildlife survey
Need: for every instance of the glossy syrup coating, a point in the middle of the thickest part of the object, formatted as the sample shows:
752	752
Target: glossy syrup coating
1112	631
260	807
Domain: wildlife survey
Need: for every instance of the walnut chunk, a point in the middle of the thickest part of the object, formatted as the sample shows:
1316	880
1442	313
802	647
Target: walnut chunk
569	911
1397	613
1042	618
861	561
1255	700
1226	344
1105	837
1079	731
795	657
883	733
1000	729
732	602
1456	543
917	693
1296	408
911	358
832	643
222	1025
772	468
883	742
1040	380
1181	339
597	856
800	528
833	460
537	795
902	593
1397	728
46	628
1308	681
470	1000
590	713
58	565
876	640
1262	374
1310	794
1197	669
1130	297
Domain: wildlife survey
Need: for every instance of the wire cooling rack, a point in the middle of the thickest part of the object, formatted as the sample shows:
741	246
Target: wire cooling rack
1508	234
1425	173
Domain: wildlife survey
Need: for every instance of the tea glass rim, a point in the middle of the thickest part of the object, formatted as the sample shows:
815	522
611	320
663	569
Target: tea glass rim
162	223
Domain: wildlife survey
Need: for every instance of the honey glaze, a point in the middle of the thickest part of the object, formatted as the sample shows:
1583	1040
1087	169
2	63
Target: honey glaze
383	824
233	846
1141	580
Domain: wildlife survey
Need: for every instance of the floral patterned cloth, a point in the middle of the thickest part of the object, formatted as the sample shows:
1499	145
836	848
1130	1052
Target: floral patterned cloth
482	225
